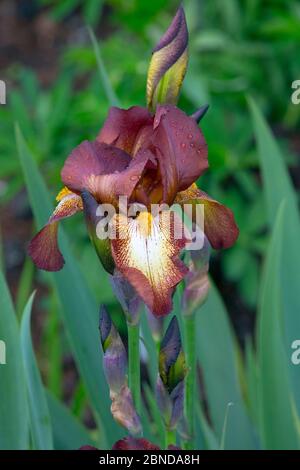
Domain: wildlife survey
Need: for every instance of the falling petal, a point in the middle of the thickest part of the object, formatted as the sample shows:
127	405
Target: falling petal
219	224
43	248
146	253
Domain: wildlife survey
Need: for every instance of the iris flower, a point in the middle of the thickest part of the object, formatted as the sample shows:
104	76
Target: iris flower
151	155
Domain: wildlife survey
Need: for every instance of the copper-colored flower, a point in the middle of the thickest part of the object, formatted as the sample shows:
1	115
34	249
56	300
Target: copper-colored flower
150	156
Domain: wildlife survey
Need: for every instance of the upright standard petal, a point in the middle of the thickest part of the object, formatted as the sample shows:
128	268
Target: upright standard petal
168	64
43	248
219	224
180	149
146	252
122	127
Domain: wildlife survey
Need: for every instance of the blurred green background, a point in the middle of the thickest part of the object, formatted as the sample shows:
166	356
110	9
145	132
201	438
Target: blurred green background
238	49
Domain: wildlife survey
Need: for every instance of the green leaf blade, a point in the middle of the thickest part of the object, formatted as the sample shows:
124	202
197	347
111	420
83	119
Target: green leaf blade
14	432
278	425
41	431
79	309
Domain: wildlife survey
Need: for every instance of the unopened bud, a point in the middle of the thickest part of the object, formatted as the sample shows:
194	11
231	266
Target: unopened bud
196	281
115	357
172	371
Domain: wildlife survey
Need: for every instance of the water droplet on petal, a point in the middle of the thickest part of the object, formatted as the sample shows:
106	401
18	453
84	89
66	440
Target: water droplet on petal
190	136
192	145
183	145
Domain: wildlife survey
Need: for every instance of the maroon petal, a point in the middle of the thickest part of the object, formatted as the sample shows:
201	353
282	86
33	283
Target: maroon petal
108	187
105	171
180	149
90	159
122	126
43	248
219	224
146	254
130	443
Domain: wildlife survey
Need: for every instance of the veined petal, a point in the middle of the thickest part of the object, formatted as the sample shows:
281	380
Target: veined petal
168	64
219	224
180	149
146	253
43	248
122	127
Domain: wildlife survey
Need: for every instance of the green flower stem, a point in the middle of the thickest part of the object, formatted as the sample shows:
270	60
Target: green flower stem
190	389
134	373
170	438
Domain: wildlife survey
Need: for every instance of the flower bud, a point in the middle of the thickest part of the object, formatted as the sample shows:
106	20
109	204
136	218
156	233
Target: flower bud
168	64
123	411
172	368
200	113
115	357
196	281
172	371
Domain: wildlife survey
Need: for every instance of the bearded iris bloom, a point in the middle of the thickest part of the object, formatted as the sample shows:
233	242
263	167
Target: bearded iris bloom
150	155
